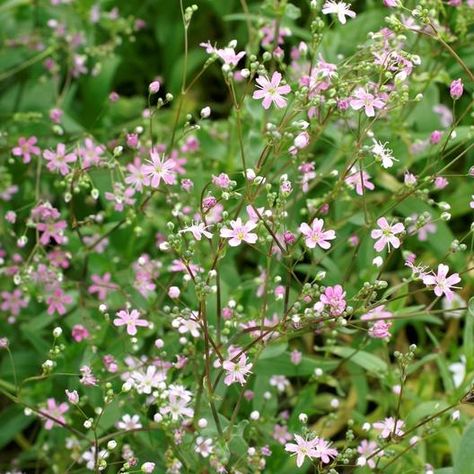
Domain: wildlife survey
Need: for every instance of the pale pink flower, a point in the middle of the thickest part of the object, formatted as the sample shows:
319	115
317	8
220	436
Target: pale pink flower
198	230
102	285
239	232
442	283
236	371
90	153
136	175
316	236
388	426
87	377
377	313
57	301
129	423
131	319
159	169
380	329
340	9
456	89
73	397
280	434
271	91
368	101
58	160
302	448
359	180
386	234
323	451
55	411
26	147
366	449
229	56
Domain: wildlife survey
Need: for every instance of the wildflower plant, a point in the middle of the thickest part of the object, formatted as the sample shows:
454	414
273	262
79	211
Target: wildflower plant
236	237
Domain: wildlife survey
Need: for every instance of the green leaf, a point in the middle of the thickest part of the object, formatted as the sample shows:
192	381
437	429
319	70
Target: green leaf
368	361
273	351
13	422
464	459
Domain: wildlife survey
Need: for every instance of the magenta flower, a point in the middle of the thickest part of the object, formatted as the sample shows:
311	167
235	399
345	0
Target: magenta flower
26	147
58	160
57	301
302	448
380	329
340	9
236	371
79	332
55	411
315	235
102	286
13	302
239	232
368	101
159	169
335	298
131	319
442	283
271	91
386	234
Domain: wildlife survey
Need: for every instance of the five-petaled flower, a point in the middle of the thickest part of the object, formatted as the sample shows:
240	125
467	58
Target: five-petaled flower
239	232
159	168
315	235
386	234
53	413
26	147
131	319
368	101
58	160
442	282
341	9
271	91
236	371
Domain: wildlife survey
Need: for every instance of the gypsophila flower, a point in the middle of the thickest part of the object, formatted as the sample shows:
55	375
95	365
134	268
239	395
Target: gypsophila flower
442	282
340	9
386	235
130	319
315	236
239	232
271	91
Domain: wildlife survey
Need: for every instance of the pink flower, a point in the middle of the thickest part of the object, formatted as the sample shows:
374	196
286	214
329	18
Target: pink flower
136	177
239	232
386	234
222	181
229	56
334	297
26	147
55	413
73	397
87	377
456	89
79	332
388	426
159	169
323	451
57	300
13	302
91	153
340	9
377	313
315	235
131	319
380	329
154	87
359	180
271	91
101	286
302	448
367	100
366	449
236	371
51	231
58	161
280	434
442	283
198	230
